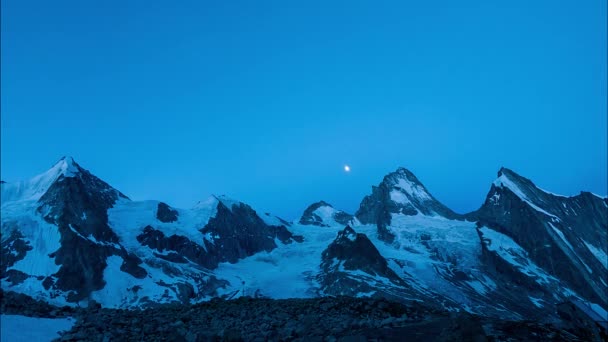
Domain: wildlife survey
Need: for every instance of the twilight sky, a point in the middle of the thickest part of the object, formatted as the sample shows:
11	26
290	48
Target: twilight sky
265	101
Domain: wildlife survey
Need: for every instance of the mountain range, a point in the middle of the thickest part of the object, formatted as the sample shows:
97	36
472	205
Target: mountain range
69	238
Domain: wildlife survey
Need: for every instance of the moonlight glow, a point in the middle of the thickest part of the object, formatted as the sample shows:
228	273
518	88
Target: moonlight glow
346	168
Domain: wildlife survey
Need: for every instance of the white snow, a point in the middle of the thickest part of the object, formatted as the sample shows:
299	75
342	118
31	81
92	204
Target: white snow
34	188
599	310
504	181
295	264
413	189
351	236
129	218
326	213
44	239
536	301
598	253
477	286
551	193
511	252
122	289
561	235
271	220
17	328
424	261
225	200
399	197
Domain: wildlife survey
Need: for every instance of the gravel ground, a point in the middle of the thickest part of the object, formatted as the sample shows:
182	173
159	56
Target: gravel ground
318	319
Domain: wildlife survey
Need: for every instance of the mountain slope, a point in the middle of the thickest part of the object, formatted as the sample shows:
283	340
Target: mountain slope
565	236
68	236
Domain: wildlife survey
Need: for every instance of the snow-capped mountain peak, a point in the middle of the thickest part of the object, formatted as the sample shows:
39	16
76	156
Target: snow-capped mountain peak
214	200
324	214
401	193
514	182
34	188
227	201
525	190
406	187
67	166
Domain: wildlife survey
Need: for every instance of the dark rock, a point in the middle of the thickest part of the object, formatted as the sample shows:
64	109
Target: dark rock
240	233
13	248
15	277
165	213
354	251
181	245
311	218
78	206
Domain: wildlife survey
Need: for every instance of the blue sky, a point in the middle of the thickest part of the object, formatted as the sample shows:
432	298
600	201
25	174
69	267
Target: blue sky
265	101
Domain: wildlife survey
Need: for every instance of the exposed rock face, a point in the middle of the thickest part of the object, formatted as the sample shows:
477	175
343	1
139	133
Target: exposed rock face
165	213
400	192
317	214
14	248
351	265
176	248
238	232
566	236
354	251
77	204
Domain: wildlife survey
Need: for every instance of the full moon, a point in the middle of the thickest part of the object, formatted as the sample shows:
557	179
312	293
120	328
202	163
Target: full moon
346	168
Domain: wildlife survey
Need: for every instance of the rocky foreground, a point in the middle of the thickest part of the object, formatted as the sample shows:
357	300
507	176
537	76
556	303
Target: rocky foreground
319	319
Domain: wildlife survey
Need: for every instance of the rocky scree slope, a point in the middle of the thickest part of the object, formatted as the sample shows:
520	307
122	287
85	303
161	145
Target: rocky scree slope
317	319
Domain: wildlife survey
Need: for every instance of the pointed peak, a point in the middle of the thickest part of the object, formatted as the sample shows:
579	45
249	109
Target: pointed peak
347	233
507	177
400	175
324	214
507	172
66	166
213	202
405	186
318	205
403	170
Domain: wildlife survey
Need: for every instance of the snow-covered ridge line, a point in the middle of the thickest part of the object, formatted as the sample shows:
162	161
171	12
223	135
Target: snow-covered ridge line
505	182
35	187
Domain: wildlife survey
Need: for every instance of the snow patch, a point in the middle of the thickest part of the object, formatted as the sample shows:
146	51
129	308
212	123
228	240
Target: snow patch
598	253
34	188
536	301
326	213
399	197
504	181
129	218
17	328
561	235
478	287
511	252
44	238
413	189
